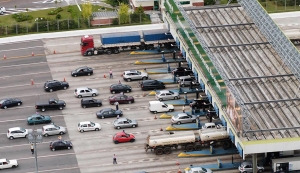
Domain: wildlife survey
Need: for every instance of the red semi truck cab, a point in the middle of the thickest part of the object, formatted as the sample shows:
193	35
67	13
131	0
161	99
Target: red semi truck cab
87	43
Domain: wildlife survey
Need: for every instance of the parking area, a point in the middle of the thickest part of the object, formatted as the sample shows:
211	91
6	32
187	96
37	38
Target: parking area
93	151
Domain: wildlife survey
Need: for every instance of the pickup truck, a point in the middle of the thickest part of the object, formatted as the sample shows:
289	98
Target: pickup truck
50	104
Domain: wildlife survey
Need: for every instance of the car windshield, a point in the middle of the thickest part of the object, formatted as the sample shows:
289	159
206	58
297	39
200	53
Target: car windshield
171	92
203	169
138	72
93	124
65	142
42	116
90	89
129	120
23	130
2	101
176	116
166	105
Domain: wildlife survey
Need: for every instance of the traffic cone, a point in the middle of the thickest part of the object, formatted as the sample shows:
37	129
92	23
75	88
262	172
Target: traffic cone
177	163
64	79
54	52
104	76
161	129
155	116
32	54
4	57
32	83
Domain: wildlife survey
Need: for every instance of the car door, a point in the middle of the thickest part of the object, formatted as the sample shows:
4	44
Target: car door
169	96
7	103
58	86
82	93
5	165
111	113
84	127
19	134
126	123
122	99
92	103
135	75
90	127
14	102
124	138
60	145
37	120
87	93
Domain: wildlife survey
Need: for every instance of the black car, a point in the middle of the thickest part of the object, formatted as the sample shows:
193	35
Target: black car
182	71
60	145
152	84
53	85
108	112
50	104
82	71
90	102
117	88
9	102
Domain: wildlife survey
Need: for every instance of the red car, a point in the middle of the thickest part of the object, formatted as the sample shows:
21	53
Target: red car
121	99
123	137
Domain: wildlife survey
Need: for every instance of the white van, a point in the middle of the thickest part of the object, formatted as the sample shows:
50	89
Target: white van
157	106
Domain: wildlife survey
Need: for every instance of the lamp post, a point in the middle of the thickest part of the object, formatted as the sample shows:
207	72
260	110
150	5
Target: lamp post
33	138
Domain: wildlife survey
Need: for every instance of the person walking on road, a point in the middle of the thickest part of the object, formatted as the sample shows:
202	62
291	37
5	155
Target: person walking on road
31	149
183	108
110	74
115	159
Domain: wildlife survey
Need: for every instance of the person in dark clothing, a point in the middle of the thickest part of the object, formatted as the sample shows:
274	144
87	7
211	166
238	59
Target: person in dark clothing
115	159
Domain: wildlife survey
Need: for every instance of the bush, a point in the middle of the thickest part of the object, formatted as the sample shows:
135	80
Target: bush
115	21
55	11
20	17
58	16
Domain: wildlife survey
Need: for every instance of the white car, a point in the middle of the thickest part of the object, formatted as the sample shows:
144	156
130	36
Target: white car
135	75
211	126
167	95
16	132
4	163
2	10
53	129
197	169
88	126
85	92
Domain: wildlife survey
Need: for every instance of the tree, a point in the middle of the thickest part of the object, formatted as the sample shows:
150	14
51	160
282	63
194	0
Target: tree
209	2
86	10
124	13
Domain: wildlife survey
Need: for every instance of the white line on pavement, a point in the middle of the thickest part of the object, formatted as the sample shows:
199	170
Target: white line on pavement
54	170
46	156
8	66
25	74
8	50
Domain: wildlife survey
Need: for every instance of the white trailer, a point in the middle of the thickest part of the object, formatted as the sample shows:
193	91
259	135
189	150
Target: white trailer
163	143
287	164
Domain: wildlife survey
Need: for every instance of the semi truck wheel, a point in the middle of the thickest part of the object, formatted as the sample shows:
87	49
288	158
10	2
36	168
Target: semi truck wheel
189	148
89	53
226	145
108	51
198	148
159	151
167	150
116	51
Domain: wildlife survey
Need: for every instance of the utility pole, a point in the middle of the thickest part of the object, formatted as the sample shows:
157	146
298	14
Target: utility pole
35	137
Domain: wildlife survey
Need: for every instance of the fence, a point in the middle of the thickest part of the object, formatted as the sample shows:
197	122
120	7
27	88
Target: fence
44	25
272	6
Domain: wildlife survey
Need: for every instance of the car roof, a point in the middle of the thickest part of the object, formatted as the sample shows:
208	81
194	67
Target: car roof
36	115
49	126
209	124
3	160
85	122
131	71
122	119
14	128
105	109
164	91
182	114
84	99
82	88
185	77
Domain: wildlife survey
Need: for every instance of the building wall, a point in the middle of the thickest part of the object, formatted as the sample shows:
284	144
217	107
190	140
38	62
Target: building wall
198	3
106	21
147	5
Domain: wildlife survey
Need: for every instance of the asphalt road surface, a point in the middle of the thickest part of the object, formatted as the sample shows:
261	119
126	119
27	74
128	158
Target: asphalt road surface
93	151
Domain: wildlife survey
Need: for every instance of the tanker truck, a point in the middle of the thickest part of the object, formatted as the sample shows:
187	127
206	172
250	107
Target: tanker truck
163	143
122	41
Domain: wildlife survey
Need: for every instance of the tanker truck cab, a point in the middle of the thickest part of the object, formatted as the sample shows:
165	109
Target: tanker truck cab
157	106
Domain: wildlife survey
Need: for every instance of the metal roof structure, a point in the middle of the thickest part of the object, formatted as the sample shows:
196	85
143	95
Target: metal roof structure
261	70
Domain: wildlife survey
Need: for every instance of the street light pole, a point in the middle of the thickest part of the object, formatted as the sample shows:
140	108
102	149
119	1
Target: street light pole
35	137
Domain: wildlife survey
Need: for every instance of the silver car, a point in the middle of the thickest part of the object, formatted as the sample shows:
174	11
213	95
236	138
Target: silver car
53	129
166	95
183	118
197	170
85	92
246	167
124	123
135	75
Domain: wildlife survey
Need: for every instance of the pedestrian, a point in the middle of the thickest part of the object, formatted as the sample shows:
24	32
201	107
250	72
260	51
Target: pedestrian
32	149
115	159
118	116
110	74
183	108
117	105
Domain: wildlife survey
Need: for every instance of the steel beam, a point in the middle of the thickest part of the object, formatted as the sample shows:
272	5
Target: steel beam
261	77
236	45
217	26
209	7
272	101
274	129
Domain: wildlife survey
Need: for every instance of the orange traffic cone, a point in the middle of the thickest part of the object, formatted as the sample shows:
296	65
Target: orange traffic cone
32	54
32	83
104	76
4	57
54	52
177	163
64	79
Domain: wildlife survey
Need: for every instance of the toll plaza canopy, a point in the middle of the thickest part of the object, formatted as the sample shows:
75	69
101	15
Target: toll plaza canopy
259	66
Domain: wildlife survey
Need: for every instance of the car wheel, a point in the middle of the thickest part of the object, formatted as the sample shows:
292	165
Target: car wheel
118	127
69	148
175	98
134	126
84	106
160	99
53	149
79	96
46	135
96	129
89	74
75	75
171	110
61	108
129	102
61	133
102	117
89	53
182	85
11	137
127	91
132	140
14	166
43	109
51	90
99	105
25	136
260	170
5	107
178	122
19	104
155	112
108	51
144	78
193	121
81	131
128	80
116	142
65	88
94	95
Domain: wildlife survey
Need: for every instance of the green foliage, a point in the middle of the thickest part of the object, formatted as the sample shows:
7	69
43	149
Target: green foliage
86	10
20	17
72	10
115	22
58	16
209	2
55	11
287	2
123	13
115	3
139	10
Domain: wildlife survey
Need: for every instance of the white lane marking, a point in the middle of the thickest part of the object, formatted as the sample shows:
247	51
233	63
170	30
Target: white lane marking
8	66
25	119
24	74
54	170
8	50
26	158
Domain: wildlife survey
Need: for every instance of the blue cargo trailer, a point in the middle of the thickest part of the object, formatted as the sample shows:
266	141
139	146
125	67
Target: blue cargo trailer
119	38
161	36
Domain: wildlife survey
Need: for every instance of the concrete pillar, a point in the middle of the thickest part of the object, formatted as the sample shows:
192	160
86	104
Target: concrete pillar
254	162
